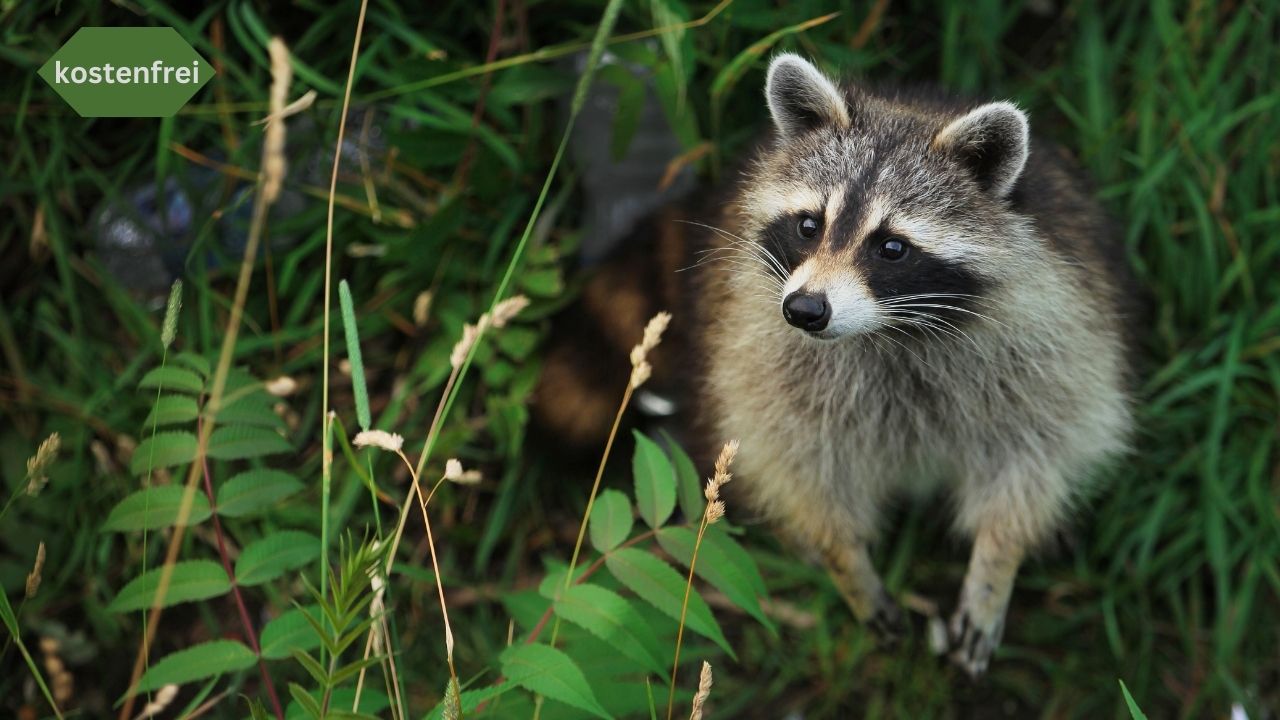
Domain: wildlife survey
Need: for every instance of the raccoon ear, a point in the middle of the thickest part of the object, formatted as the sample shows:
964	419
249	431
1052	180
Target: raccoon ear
801	98
992	141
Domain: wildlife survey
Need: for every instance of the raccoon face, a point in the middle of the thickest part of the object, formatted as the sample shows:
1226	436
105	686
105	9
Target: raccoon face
884	214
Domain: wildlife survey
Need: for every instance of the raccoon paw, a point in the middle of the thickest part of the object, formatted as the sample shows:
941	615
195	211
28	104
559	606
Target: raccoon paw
887	621
973	642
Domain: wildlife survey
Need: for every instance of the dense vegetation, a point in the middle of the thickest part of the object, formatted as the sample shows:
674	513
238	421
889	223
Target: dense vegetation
456	117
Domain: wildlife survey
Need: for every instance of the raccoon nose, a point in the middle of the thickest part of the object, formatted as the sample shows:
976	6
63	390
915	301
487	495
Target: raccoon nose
807	311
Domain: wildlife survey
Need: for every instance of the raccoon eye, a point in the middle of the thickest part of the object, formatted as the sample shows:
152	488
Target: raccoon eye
808	227
893	249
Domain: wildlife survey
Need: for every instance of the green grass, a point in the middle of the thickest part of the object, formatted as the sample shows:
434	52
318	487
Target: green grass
1169	583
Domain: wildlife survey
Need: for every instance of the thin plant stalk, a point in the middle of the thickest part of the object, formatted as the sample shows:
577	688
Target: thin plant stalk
591	500
435	565
713	511
684	609
326	477
327	450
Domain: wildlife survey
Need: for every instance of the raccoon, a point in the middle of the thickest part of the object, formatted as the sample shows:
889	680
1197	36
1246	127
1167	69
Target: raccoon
903	292
904	288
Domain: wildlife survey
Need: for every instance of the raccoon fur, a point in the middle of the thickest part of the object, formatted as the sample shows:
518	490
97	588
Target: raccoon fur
905	291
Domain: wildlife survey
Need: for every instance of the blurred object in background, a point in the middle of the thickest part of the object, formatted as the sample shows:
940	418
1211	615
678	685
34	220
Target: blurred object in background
143	236
621	191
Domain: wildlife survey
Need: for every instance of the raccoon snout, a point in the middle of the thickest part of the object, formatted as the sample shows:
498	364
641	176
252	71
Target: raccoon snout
807	311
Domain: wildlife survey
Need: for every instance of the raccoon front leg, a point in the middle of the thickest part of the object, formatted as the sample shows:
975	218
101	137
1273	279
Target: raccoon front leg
1007	513
978	623
855	577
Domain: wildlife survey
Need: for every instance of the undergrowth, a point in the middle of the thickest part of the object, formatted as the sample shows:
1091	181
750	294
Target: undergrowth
301	561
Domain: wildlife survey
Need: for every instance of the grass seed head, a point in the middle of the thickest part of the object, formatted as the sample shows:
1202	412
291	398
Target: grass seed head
273	162
722	474
390	442
652	336
453	472
640	373
37	464
281	386
470	334
169	329
704	691
161	700
422	308
506	310
33	578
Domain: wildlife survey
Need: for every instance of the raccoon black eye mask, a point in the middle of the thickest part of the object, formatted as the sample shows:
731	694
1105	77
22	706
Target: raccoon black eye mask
917	285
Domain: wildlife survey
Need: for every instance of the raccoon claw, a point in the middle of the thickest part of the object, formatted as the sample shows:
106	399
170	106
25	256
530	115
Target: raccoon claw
972	644
887	621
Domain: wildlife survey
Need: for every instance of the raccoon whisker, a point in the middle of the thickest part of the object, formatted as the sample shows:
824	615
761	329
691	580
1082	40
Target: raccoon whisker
925	320
740	245
932	330
976	299
763	254
737	256
942	325
924	296
741	242
957	309
923	324
754	269
902	345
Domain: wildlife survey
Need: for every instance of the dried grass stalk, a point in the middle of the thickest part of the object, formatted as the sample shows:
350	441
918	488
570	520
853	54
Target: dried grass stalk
33	578
39	463
704	690
273	162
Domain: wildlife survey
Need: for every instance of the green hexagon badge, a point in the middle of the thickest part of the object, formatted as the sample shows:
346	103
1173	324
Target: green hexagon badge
126	71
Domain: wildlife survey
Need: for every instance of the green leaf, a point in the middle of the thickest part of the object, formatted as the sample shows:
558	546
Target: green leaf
195	362
252	409
164	449
548	671
174	379
352	333
309	704
171	410
255	491
544	282
658	584
655	482
288	632
1134	711
154	508
611	520
274	555
688	483
191	580
609	616
204	660
237	442
719	566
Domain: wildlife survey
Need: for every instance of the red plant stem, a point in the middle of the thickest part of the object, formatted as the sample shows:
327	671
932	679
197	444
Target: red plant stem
591	570
235	591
